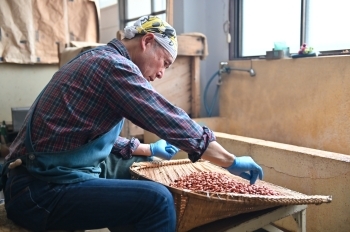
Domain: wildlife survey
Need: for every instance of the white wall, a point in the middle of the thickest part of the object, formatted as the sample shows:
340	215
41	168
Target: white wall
109	23
20	84
105	3
207	17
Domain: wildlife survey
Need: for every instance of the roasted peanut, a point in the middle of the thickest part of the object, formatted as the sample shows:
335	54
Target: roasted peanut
219	182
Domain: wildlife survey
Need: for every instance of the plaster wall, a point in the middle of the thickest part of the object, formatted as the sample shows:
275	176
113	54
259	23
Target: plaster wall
109	23
303	102
20	84
305	170
207	17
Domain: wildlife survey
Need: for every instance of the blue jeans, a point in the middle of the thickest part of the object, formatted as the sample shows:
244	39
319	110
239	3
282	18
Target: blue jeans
98	203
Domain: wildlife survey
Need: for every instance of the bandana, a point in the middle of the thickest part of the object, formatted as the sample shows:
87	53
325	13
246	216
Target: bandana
165	34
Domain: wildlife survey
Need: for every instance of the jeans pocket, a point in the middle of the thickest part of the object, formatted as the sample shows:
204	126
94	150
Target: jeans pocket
24	211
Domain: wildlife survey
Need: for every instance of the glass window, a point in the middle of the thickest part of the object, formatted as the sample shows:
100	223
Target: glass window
159	5
130	23
326	25
162	16
269	21
256	25
137	8
134	9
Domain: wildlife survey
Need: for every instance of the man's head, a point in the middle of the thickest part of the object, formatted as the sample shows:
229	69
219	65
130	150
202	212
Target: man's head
152	44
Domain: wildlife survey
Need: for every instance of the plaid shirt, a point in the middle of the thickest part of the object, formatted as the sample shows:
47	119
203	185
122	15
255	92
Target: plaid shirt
92	93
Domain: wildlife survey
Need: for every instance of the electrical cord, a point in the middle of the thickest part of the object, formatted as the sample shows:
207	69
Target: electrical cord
209	111
224	69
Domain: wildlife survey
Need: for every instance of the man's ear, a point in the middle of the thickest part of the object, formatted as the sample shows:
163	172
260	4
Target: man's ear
147	40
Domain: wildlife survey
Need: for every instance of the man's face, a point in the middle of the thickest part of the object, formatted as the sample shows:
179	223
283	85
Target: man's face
153	60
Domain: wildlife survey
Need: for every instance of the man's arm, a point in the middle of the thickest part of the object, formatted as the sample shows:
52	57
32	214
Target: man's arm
218	155
162	149
143	150
243	166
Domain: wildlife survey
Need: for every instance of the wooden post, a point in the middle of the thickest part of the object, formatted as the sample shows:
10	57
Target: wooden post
195	87
170	12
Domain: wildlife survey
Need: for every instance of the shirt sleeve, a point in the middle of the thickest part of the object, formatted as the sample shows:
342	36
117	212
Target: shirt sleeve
125	147
129	93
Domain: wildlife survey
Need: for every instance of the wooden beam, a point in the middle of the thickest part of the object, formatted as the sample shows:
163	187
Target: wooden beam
195	87
120	35
190	45
170	12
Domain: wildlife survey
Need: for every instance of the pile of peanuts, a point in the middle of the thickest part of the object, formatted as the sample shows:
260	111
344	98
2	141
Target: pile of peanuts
219	183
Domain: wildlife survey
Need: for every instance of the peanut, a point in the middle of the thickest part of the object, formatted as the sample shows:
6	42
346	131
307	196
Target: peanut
219	182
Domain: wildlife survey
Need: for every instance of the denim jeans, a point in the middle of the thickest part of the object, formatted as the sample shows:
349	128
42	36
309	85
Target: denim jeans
98	203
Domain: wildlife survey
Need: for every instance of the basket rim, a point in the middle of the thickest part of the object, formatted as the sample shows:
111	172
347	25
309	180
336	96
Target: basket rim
231	197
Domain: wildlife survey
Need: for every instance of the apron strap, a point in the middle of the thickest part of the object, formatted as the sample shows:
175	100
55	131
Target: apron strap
28	143
28	140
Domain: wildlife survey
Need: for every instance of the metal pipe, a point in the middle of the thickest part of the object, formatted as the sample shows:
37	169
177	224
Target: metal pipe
251	71
225	68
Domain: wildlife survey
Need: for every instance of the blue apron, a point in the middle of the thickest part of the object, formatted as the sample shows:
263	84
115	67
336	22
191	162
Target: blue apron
71	166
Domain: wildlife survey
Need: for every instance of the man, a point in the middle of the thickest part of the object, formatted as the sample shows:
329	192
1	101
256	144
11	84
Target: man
72	130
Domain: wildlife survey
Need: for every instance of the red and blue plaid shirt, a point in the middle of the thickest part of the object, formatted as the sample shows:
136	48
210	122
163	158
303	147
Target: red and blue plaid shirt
92	93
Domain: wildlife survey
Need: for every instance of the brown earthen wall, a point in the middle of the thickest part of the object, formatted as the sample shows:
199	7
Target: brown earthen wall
303	102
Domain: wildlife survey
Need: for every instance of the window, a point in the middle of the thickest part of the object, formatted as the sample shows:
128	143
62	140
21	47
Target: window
326	24
256	25
131	10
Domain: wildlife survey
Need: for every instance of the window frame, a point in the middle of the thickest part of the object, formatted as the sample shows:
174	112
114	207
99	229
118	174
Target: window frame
123	6
236	26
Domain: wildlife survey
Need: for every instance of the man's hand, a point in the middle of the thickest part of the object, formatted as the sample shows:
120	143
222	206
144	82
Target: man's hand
15	163
245	167
163	149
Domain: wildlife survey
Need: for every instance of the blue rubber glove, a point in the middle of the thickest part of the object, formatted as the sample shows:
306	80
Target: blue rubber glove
246	168
163	149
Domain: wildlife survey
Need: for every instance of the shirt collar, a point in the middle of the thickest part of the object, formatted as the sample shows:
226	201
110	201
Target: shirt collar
119	46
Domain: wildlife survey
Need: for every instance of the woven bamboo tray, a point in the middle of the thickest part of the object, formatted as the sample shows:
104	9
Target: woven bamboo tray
196	208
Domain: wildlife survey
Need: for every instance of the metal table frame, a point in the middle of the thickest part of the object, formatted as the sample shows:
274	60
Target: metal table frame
263	219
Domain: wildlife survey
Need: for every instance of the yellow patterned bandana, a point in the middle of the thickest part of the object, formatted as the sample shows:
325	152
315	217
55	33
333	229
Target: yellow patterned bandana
165	34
